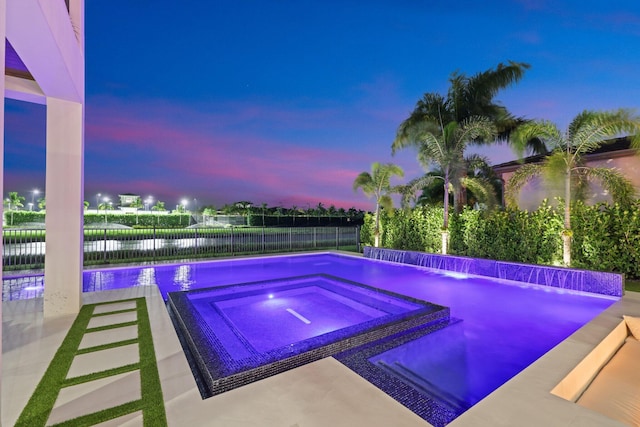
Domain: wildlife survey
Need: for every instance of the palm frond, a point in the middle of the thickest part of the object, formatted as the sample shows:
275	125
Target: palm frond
386	202
518	180
542	134
482	189
620	188
364	181
409	190
555	168
590	130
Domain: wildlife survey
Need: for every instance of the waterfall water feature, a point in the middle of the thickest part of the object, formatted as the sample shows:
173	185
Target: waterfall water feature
605	283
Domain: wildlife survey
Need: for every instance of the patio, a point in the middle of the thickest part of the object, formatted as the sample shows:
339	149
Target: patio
318	394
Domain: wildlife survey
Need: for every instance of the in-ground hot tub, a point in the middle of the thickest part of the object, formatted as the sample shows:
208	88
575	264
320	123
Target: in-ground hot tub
241	333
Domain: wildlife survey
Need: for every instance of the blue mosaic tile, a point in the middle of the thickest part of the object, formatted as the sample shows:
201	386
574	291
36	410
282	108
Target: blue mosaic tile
423	404
218	366
599	282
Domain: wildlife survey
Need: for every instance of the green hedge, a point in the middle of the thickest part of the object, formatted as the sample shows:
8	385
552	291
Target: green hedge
257	220
605	237
173	220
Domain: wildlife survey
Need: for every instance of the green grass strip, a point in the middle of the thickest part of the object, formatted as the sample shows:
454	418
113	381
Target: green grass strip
106	346
108	313
100	375
104	415
114	326
153	411
37	410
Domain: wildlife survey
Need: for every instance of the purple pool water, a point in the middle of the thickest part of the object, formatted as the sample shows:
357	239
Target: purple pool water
505	325
274	314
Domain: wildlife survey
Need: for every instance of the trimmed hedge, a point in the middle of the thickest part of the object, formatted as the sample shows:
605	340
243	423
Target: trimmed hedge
605	237
173	220
257	220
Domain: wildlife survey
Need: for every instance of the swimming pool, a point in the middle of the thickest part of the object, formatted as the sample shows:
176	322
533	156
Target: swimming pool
504	325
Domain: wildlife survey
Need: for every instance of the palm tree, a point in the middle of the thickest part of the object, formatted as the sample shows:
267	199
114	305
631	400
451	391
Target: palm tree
444	148
378	184
15	202
467	97
481	182
105	206
158	207
586	132
137	203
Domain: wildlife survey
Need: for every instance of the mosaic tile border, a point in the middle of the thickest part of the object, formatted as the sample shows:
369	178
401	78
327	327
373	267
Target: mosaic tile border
218	372
422	404
598	282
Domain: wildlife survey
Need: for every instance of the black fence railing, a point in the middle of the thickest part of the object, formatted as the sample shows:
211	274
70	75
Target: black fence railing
25	248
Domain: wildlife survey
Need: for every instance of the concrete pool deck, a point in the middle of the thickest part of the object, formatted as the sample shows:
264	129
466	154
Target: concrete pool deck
318	394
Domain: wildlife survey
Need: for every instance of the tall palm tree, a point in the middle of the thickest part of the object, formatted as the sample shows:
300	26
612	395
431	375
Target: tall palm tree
444	148
586	132
378	184
481	181
467	97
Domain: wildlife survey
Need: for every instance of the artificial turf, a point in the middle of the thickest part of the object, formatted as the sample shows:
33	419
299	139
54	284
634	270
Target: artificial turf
151	403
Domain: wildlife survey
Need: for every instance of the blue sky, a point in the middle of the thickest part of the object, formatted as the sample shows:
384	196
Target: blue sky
285	102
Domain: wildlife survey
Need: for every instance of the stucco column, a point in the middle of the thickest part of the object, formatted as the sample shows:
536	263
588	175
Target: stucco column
64	219
3	34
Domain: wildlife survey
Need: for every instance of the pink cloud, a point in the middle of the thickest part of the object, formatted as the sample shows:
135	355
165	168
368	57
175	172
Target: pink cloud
221	159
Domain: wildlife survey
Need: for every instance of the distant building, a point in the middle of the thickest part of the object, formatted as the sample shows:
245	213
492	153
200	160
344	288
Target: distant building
128	199
618	154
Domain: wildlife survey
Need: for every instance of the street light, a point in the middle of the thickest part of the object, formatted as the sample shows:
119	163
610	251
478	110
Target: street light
98	200
31	206
148	202
33	194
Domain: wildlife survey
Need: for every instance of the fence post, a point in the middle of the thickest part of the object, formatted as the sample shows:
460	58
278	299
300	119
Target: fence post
232	240
290	239
337	238
104	252
154	243
196	231
358	238
263	245
314	236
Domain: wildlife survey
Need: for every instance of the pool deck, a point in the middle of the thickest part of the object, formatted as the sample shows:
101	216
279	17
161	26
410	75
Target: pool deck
318	394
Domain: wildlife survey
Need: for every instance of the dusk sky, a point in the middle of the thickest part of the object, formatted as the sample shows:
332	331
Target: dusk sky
285	102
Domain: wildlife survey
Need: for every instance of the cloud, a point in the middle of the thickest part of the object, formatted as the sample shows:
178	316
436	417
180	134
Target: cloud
175	149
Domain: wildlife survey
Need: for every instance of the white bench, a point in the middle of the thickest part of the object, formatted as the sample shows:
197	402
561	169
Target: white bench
607	380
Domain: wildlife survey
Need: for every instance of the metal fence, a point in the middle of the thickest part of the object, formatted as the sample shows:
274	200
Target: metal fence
25	248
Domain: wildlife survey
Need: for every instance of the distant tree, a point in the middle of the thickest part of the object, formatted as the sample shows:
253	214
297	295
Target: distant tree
105	206
42	203
587	132
320	210
378	184
137	204
15	202
86	205
209	211
158	207
243	207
